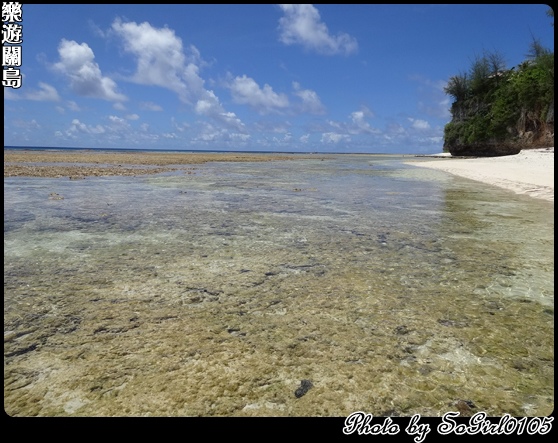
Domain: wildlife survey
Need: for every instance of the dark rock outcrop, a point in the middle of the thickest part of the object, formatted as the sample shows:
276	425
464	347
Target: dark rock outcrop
485	149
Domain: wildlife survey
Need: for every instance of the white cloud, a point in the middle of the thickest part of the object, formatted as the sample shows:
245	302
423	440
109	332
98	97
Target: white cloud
231	120
211	134
301	24
359	124
356	126
283	141
335	124
240	137
27	125
72	106
160	57
310	101
46	93
162	61
117	120
181	127
245	90
333	137
204	106
78	126
419	124
77	63
132	117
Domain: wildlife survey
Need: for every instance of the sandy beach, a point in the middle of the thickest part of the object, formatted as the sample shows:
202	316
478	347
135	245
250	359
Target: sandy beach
530	172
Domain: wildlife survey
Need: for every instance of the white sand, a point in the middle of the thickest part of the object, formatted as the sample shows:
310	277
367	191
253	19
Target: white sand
530	172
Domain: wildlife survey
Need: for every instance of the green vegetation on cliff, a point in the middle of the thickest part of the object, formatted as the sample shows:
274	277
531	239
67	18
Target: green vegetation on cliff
498	110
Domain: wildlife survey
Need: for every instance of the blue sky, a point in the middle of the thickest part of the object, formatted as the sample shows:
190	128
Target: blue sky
325	78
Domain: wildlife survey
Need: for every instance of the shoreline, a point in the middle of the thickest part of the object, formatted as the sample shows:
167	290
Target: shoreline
531	172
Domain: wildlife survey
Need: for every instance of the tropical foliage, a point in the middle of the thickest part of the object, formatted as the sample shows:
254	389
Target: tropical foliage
494	104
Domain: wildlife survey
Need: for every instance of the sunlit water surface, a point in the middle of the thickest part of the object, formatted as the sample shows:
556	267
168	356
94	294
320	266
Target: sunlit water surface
394	290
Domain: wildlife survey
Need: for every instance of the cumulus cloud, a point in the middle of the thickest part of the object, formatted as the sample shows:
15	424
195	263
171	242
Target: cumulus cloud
116	120
45	93
419	124
79	127
209	133
245	90
359	124
160	58
310	101
231	120
115	129
181	127
284	141
162	61
77	63
26	124
301	24
235	136
334	138
73	106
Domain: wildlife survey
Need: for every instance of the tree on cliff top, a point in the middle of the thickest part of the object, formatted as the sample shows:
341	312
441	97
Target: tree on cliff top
494	105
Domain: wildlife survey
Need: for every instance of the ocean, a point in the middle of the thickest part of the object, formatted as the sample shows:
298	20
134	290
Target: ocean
394	290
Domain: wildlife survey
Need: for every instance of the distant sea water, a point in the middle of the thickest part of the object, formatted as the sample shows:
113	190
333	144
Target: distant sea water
206	151
394	290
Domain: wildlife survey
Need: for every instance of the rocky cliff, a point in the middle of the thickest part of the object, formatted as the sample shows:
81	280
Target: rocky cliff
500	112
527	133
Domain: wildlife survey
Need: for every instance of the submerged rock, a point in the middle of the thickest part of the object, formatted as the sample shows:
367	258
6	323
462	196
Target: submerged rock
304	387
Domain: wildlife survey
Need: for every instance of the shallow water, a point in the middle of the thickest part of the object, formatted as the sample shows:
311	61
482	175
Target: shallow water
395	290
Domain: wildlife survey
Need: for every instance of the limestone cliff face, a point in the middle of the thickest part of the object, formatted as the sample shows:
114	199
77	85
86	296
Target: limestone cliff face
528	132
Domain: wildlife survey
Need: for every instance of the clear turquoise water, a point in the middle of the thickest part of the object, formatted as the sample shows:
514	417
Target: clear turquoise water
396	290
